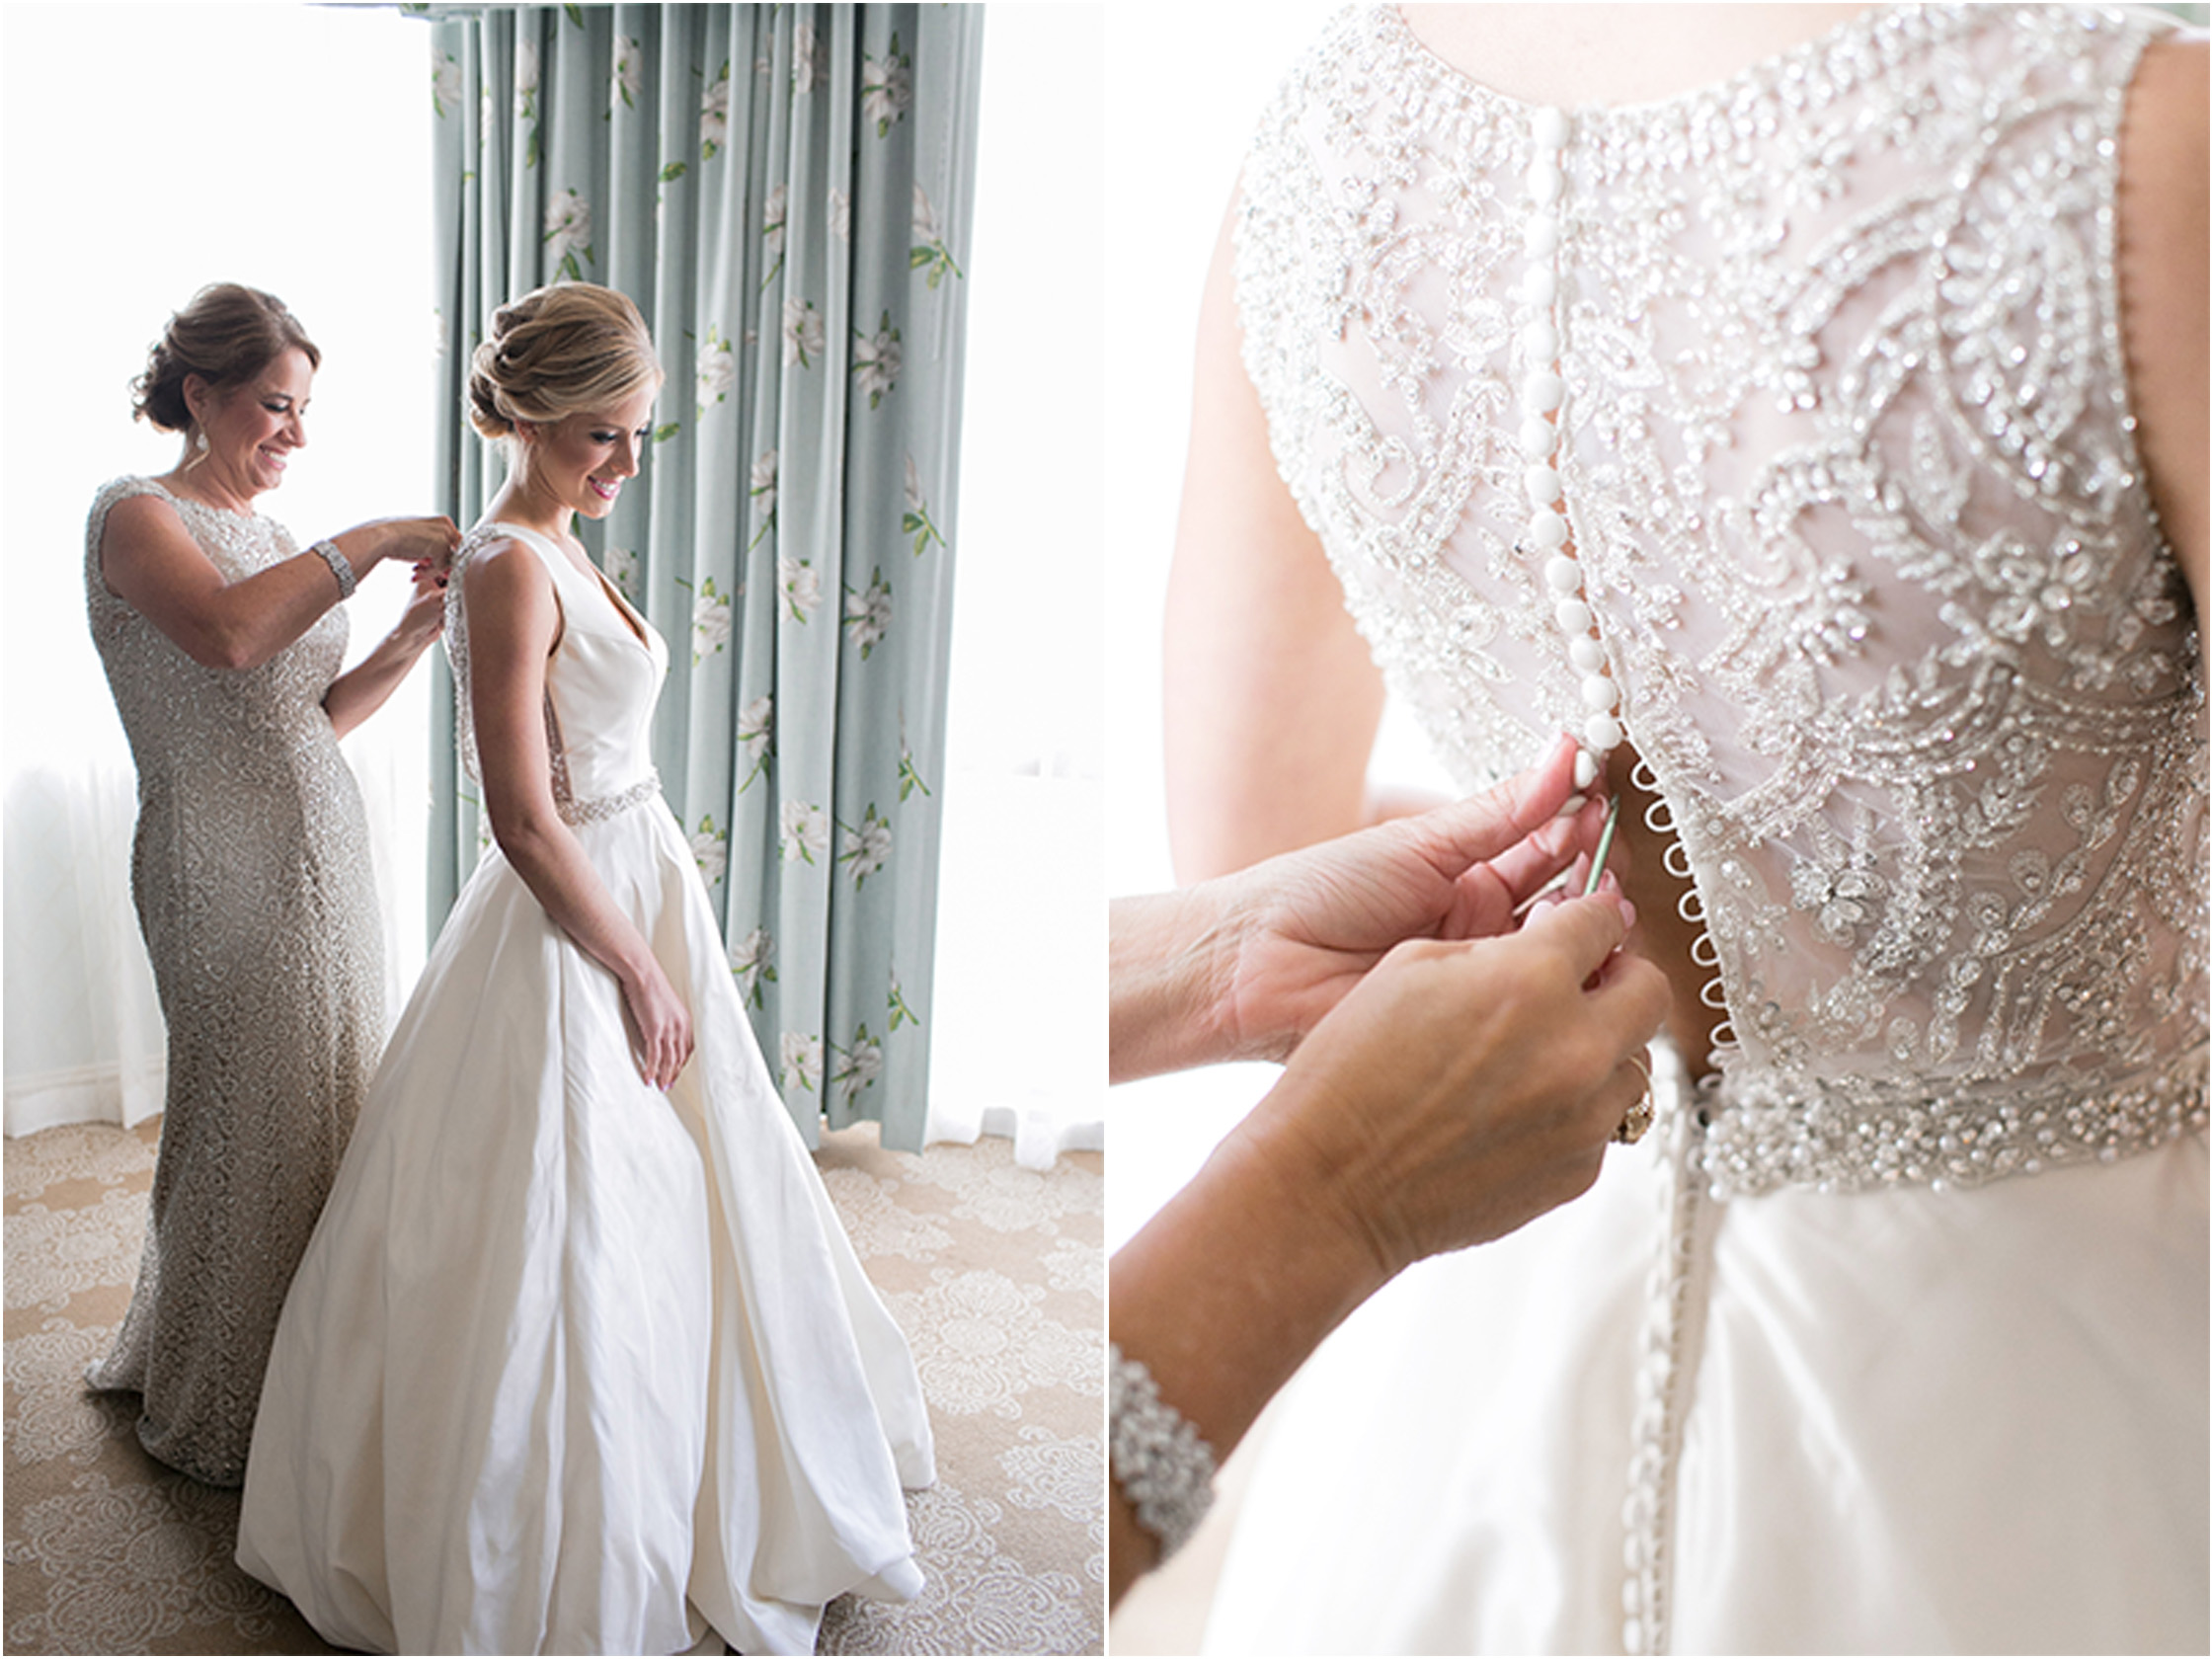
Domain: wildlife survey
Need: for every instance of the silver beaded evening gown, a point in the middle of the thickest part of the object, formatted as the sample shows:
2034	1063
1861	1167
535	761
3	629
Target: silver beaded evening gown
252	875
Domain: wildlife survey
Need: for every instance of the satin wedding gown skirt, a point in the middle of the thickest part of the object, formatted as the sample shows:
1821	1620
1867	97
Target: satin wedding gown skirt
572	1364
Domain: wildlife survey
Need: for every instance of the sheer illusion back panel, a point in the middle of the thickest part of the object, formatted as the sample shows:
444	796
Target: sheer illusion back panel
1850	474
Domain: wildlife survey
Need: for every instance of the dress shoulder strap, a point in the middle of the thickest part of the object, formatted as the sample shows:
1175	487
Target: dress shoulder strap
491	530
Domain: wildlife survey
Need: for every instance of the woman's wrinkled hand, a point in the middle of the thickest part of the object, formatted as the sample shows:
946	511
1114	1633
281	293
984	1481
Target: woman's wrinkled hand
1304	929
1465	1086
418	541
424	617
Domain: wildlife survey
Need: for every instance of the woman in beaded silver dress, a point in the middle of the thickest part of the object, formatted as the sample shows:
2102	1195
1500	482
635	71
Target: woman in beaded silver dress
1806	407
224	644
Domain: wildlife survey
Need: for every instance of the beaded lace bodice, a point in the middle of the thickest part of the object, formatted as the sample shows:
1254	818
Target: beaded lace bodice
183	719
1850	471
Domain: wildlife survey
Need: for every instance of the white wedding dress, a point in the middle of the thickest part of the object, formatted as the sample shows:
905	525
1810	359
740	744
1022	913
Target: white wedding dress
1893	1337
570	1362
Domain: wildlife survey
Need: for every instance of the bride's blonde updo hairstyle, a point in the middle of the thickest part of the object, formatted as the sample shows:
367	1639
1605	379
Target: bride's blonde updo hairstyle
557	351
226	335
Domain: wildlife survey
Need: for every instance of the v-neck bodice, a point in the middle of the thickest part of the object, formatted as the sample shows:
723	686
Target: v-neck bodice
602	681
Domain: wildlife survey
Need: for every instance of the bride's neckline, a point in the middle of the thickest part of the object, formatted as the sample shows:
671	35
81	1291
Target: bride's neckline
1848	37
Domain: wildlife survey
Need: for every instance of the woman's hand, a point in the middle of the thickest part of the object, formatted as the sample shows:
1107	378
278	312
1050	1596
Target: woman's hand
416	541
1465	1086
424	617
1315	923
362	689
149	560
1243	966
660	1023
1319	919
1460	1088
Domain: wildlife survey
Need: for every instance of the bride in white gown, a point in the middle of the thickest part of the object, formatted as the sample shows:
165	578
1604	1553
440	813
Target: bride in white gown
578	1359
1788	438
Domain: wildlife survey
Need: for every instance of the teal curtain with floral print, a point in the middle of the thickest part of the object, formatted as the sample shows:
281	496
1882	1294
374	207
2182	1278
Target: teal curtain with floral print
784	191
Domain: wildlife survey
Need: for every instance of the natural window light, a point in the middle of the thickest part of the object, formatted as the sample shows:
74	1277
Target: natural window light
301	165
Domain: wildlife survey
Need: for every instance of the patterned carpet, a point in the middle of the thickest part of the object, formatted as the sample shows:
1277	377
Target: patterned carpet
995	1272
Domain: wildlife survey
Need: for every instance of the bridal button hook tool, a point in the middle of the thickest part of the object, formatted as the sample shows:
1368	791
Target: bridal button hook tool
1605	848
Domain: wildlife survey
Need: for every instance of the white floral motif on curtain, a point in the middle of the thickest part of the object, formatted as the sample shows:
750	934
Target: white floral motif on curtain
806	285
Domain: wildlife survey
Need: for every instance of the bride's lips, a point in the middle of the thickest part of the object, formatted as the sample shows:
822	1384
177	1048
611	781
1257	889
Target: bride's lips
603	488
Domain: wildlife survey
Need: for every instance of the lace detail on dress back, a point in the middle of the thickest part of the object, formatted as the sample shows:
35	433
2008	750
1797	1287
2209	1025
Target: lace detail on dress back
1849	469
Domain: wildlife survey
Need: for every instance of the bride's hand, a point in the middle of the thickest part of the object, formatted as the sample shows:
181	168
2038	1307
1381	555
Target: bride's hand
660	1024
1300	932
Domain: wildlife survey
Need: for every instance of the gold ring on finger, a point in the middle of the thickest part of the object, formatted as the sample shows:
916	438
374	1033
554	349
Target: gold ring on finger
1639	1118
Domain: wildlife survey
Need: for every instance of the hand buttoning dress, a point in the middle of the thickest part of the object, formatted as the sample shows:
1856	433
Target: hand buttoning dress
569	1355
1897	1342
251	870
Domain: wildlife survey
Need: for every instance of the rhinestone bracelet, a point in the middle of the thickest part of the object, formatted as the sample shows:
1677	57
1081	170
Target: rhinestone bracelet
1161	1465
330	555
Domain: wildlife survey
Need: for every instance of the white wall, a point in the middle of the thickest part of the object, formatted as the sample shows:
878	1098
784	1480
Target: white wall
284	146
1185	86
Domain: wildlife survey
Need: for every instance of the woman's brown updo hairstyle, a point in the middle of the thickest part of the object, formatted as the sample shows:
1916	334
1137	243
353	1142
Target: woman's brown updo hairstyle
226	336
557	351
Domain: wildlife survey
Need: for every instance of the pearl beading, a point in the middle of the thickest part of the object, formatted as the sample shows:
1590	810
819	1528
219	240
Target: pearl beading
1861	1134
1669	1337
1162	1465
1894	868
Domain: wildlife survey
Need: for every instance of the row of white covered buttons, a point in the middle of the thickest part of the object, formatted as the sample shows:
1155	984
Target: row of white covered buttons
1542	393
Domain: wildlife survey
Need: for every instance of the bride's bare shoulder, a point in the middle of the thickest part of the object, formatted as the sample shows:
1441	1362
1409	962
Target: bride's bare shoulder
491	557
504	579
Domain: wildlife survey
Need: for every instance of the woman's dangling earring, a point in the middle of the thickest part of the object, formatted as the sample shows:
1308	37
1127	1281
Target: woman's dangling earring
198	448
